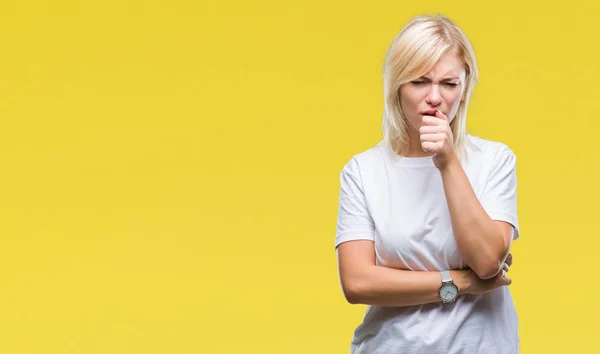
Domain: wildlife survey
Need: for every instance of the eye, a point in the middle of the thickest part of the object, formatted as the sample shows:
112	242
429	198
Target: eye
417	82
450	84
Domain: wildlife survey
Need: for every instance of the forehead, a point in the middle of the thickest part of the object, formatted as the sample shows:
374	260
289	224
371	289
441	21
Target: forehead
448	65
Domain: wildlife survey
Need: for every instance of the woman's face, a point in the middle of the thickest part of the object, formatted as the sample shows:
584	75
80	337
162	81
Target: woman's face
442	88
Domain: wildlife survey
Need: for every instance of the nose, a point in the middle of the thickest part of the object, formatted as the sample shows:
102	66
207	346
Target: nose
434	98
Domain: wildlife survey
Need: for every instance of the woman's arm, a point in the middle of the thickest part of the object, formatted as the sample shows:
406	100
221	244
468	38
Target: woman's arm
482	242
364	282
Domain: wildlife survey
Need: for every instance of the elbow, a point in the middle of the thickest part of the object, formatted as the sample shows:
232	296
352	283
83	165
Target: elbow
352	295
354	292
487	272
490	262
487	269
353	299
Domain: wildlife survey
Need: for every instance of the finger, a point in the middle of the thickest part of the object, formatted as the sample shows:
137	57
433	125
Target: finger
430	146
502	280
430	129
431	121
432	137
505	267
509	259
440	115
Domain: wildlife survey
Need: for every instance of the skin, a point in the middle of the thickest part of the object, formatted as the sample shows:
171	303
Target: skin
442	89
430	103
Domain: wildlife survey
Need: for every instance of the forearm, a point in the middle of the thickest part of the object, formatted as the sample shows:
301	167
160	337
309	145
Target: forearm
478	239
384	286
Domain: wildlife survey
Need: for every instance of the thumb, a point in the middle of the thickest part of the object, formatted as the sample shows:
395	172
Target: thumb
504	279
440	115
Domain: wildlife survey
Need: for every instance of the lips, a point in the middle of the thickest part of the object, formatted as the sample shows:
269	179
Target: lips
429	112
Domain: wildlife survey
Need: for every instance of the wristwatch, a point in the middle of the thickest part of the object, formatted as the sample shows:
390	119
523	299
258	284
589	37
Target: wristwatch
448	291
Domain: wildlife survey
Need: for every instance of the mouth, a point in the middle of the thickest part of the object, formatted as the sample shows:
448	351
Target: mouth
429	112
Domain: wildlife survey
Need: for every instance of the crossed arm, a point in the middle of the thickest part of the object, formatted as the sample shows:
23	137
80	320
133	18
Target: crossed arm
483	243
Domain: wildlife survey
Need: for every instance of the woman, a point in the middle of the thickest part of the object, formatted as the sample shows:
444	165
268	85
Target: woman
427	217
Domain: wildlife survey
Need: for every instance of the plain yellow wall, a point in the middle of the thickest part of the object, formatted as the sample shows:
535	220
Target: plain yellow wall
170	169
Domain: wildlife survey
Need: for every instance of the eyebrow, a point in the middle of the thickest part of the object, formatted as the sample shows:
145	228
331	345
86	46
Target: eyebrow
448	78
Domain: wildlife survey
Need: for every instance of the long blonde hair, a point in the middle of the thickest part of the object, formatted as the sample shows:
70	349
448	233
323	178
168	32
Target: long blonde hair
413	52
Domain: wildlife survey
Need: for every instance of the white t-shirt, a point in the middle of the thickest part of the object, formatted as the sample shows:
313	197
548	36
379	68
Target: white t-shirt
399	203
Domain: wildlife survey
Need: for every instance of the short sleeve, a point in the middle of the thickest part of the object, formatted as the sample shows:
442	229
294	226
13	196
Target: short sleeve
500	194
353	221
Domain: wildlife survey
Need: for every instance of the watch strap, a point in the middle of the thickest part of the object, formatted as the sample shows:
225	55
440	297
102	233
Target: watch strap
446	278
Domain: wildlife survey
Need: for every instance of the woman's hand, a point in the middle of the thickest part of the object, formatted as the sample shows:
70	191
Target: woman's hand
507	263
468	282
437	138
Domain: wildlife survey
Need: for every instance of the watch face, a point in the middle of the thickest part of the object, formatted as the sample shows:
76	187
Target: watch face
448	292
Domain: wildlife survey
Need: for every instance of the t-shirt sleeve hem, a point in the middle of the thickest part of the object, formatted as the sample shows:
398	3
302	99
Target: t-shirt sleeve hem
511	219
352	237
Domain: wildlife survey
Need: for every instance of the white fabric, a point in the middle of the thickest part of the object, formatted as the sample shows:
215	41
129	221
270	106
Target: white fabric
400	204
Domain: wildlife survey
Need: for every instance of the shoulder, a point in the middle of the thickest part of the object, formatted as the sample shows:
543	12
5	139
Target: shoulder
367	159
491	151
489	146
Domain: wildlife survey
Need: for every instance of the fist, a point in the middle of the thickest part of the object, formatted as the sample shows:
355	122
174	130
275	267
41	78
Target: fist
436	137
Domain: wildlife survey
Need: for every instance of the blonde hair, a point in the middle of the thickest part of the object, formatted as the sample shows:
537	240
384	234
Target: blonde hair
413	52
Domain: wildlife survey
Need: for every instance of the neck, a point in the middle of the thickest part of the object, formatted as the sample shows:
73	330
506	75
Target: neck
413	147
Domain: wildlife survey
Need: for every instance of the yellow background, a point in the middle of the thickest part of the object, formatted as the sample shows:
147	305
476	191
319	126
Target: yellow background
170	169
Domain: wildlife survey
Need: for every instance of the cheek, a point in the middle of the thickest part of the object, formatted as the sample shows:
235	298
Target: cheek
405	100
453	98
453	102
455	105
410	104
